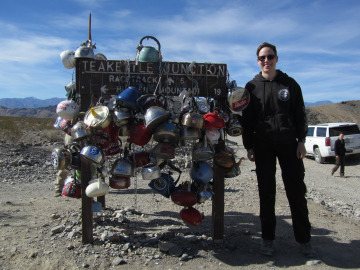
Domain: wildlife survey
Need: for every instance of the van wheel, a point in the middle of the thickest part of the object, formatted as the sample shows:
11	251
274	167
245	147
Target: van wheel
318	157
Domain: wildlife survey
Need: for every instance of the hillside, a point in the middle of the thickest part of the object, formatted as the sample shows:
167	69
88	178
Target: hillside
346	111
44	112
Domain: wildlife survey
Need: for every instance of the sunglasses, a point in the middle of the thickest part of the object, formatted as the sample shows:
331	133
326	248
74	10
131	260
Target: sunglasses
269	57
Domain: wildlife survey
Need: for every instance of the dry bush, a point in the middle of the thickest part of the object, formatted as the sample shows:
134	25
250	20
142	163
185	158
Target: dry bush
27	129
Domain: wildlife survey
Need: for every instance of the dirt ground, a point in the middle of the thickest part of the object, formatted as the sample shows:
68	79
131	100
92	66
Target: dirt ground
30	215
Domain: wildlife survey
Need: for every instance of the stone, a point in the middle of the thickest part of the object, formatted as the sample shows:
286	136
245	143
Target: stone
58	229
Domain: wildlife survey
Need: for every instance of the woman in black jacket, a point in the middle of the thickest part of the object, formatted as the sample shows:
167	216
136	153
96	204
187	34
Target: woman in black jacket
275	128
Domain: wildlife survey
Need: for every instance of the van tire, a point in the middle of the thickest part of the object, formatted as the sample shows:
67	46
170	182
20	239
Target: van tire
318	157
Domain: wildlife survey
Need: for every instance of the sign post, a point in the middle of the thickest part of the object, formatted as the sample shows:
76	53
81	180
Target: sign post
100	78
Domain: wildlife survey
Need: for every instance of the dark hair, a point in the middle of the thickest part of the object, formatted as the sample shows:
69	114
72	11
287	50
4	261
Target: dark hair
265	44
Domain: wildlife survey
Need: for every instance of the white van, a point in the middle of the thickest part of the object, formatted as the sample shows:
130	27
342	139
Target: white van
320	139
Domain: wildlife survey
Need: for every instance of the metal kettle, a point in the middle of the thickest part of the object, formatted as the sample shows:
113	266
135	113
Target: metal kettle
148	53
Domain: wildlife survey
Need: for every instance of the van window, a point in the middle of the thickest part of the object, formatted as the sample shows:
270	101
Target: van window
321	132
310	131
347	130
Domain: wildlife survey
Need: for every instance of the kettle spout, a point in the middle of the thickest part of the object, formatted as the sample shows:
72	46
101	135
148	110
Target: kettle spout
239	163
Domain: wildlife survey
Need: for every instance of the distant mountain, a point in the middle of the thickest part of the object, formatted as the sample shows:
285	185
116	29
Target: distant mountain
312	104
29	102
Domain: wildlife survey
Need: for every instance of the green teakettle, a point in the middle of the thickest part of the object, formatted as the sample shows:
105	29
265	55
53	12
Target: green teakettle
148	53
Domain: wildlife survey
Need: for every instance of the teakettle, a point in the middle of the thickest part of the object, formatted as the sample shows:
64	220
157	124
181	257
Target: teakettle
148	53
238	99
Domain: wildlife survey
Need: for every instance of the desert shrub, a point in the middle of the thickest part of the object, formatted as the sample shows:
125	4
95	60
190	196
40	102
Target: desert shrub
9	130
16	129
54	135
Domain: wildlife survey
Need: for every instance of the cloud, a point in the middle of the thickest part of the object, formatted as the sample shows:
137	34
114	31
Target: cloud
317	40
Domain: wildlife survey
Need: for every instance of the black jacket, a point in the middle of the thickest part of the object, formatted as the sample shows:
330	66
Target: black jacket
276	112
340	149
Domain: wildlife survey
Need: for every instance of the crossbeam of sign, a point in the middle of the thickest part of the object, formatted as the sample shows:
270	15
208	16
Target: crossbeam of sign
111	77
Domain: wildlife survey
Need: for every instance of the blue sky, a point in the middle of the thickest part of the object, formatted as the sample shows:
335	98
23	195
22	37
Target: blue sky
317	41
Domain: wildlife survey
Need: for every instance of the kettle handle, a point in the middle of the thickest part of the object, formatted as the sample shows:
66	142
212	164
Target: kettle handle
147	37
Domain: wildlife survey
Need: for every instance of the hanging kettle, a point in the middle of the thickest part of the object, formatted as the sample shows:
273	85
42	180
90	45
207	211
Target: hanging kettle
61	158
201	172
100	56
139	134
97	188
150	171
108	140
98	117
148	53
68	109
119	182
92	153
165	185
121	117
233	127
238	99
192	119
234	171
123	167
154	116
128	97
164	151
72	188
191	216
67	58
63	124
202	151
184	196
214	120
225	158
167	132
84	52
80	131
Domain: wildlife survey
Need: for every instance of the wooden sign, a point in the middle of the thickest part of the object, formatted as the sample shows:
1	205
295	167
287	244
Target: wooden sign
97	78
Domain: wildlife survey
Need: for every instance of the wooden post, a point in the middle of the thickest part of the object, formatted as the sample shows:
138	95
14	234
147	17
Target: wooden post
86	203
218	201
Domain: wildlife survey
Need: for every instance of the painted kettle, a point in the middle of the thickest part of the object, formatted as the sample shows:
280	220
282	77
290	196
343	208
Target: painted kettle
148	53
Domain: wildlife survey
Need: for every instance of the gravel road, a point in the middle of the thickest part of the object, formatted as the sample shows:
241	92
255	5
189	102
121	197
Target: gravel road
142	230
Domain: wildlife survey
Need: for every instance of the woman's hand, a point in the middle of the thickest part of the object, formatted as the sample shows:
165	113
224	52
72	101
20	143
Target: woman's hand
300	151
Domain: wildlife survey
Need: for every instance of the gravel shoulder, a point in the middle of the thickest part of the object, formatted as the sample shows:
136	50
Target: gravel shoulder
142	230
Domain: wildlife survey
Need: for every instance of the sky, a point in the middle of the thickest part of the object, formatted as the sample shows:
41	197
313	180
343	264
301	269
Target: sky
317	41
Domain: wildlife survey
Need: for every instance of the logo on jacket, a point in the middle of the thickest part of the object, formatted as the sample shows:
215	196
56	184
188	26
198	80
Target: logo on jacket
284	94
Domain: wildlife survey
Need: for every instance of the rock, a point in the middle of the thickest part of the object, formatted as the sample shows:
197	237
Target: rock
184	257
191	238
165	246
33	254
55	216
74	234
313	262
58	229
118	261
175	251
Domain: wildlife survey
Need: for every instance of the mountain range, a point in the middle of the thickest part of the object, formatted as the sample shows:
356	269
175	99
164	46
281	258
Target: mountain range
28	102
46	108
31	102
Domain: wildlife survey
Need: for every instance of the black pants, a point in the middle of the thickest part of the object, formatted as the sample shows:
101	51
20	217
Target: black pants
293	173
340	162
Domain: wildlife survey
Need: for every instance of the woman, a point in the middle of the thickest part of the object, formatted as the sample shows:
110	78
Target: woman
275	127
